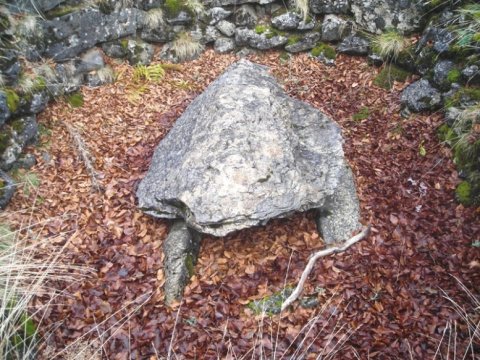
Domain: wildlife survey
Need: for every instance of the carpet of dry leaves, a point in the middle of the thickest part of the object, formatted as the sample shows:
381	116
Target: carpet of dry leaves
382	299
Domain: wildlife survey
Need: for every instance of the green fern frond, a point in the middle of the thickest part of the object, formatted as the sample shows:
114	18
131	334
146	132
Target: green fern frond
148	73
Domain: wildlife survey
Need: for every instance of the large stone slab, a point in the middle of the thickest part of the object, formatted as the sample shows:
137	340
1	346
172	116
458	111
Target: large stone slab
244	152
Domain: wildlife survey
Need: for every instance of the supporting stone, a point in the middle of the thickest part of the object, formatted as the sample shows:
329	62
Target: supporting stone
339	217
181	253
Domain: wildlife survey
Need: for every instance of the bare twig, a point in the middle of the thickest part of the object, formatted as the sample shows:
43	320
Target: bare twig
85	156
325	252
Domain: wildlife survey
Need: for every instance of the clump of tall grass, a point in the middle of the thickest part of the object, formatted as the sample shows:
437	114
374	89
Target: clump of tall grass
154	19
389	44
28	266
186	47
302	8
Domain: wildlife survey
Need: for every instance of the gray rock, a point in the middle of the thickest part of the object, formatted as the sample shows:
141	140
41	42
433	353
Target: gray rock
26	130
211	34
139	52
216	14
89	61
421	96
67	81
471	74
7	189
334	28
287	21
38	102
441	38
440	74
330	6
10	154
307	42
26	161
5	112
246	51
377	15
246	16
354	45
223	3
182	18
258	41
309	24
340	215
161	34
77	32
226	28
34	7
451	115
375	59
244	152
116	49
224	45
9	65
151	4
181	248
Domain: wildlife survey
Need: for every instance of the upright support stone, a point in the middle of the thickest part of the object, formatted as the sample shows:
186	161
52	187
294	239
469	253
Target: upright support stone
181	250
339	217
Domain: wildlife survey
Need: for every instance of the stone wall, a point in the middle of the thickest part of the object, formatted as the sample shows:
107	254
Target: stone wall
71	33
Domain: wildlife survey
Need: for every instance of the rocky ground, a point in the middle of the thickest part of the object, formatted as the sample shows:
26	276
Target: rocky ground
384	298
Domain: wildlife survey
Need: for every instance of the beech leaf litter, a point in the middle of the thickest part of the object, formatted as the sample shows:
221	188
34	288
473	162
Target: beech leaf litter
387	297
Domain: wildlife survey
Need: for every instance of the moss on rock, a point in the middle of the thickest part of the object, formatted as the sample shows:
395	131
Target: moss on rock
12	100
325	50
389	75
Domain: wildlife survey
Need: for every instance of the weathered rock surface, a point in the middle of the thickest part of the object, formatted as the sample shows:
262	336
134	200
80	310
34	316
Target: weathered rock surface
72	34
7	189
216	14
334	28
421	96
378	15
287	21
226	28
181	249
329	6
244	152
307	42
224	45
258	41
354	45
440	74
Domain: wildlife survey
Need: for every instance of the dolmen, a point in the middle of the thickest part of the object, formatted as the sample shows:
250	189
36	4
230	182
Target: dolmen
242	153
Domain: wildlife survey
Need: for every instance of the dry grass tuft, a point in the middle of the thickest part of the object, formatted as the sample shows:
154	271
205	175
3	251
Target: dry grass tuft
185	47
154	19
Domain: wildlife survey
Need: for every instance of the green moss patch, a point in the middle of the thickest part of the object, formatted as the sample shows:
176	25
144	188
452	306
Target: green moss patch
454	76
75	99
260	29
60	11
389	75
325	50
464	94
12	100
173	7
363	114
270	305
294	39
463	193
5	136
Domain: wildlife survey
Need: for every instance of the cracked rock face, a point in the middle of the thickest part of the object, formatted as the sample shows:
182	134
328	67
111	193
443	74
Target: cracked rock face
244	152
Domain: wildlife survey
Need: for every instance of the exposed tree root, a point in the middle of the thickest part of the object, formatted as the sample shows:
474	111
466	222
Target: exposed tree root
325	252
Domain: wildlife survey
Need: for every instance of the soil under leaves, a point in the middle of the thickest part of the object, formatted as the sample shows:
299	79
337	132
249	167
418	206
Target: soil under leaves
382	299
